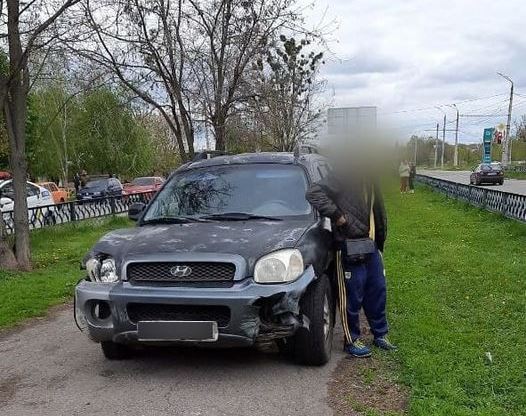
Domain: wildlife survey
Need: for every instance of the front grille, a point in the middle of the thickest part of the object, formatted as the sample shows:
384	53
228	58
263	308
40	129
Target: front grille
161	312
180	272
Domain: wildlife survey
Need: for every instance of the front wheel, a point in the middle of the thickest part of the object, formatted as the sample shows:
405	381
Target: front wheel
312	345
114	351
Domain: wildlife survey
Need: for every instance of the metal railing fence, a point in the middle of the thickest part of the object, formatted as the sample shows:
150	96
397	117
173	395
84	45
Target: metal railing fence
508	204
50	215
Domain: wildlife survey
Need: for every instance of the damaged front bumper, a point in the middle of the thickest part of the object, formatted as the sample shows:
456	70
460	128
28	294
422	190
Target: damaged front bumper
247	312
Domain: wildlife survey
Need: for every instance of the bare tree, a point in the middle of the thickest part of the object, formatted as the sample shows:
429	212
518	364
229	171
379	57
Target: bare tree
142	43
31	26
235	33
287	90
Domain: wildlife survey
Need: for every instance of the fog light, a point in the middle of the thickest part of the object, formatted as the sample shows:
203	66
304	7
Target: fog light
100	310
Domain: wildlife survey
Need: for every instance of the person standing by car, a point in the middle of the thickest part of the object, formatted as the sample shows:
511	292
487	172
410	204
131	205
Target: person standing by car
404	172
412	175
76	182
359	223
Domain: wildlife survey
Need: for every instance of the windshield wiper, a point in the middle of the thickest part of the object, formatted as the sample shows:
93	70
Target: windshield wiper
175	220
239	216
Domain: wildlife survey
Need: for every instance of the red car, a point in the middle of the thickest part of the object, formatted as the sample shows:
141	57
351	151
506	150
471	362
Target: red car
144	184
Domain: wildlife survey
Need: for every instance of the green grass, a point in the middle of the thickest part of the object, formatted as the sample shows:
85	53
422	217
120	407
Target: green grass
56	259
515	175
457	290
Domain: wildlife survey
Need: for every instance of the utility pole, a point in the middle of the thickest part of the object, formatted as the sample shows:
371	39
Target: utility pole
506	155
443	143
436	146
416	149
455	157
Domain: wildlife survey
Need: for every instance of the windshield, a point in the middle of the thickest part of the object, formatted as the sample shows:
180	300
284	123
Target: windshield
143	181
496	166
97	184
268	190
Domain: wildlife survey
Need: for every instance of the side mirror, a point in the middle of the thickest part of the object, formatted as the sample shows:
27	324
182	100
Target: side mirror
135	210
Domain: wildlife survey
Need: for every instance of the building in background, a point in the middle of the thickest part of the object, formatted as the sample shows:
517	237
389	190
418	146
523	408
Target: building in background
351	121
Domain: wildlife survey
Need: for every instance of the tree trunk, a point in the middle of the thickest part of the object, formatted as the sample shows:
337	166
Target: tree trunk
15	111
7	257
219	131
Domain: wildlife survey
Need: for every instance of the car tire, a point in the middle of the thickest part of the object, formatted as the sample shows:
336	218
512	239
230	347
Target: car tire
114	351
312	345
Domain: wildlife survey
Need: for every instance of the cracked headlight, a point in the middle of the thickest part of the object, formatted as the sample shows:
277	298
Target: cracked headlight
281	266
102	270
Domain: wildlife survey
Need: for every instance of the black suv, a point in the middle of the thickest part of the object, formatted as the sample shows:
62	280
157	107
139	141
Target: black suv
228	252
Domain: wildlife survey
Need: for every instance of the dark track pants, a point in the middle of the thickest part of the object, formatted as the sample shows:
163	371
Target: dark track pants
362	284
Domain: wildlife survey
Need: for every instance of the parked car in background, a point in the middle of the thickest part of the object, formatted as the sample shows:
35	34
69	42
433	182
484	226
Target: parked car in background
143	184
37	196
59	195
100	188
39	202
487	173
4	175
228	253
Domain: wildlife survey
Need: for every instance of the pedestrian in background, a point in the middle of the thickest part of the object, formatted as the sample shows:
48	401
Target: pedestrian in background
412	175
404	172
76	182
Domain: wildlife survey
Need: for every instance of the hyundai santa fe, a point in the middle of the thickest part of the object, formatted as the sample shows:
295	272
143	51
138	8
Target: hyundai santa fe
228	253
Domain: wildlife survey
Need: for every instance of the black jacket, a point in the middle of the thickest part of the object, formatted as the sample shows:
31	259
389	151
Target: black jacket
332	199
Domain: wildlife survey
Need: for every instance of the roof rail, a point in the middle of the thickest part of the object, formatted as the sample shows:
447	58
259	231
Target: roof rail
208	154
305	148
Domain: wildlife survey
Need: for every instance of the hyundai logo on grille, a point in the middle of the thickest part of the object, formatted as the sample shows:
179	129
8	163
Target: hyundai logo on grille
181	271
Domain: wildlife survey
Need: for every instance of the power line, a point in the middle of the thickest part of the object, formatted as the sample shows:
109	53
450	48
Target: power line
442	105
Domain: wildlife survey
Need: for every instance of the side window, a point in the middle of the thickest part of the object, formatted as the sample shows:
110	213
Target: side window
7	191
32	190
53	188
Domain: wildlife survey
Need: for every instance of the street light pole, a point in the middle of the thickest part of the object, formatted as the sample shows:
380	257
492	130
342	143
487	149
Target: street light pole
443	143
506	156
436	145
443	138
455	157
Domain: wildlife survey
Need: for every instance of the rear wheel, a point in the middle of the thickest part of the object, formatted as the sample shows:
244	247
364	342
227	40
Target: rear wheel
114	351
313	346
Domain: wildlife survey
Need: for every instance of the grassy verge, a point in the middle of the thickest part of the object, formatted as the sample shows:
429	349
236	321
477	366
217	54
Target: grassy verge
515	175
457	285
56	257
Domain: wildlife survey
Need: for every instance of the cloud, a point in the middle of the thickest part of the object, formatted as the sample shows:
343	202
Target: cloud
418	54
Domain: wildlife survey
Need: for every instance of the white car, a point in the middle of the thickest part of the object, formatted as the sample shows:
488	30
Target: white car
37	196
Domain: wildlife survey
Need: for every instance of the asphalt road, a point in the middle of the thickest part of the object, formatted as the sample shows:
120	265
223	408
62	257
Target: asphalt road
50	368
510	185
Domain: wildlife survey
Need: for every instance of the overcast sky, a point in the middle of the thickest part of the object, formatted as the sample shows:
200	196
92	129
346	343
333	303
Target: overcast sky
415	54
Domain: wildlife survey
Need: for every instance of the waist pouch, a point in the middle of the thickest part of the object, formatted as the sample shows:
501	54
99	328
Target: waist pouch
358	248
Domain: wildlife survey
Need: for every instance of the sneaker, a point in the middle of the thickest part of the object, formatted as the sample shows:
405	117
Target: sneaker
385	344
358	349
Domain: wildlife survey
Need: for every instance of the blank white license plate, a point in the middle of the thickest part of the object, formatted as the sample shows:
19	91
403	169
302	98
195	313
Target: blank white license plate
203	331
492	173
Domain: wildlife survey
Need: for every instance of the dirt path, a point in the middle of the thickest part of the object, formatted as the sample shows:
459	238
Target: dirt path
50	368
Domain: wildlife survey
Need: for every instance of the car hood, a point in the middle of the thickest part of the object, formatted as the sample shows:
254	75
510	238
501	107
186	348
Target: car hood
249	239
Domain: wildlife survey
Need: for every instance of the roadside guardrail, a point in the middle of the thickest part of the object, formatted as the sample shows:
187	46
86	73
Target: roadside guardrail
509	204
50	215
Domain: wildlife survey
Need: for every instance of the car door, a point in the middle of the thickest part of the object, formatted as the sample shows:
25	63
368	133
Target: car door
33	196
116	187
